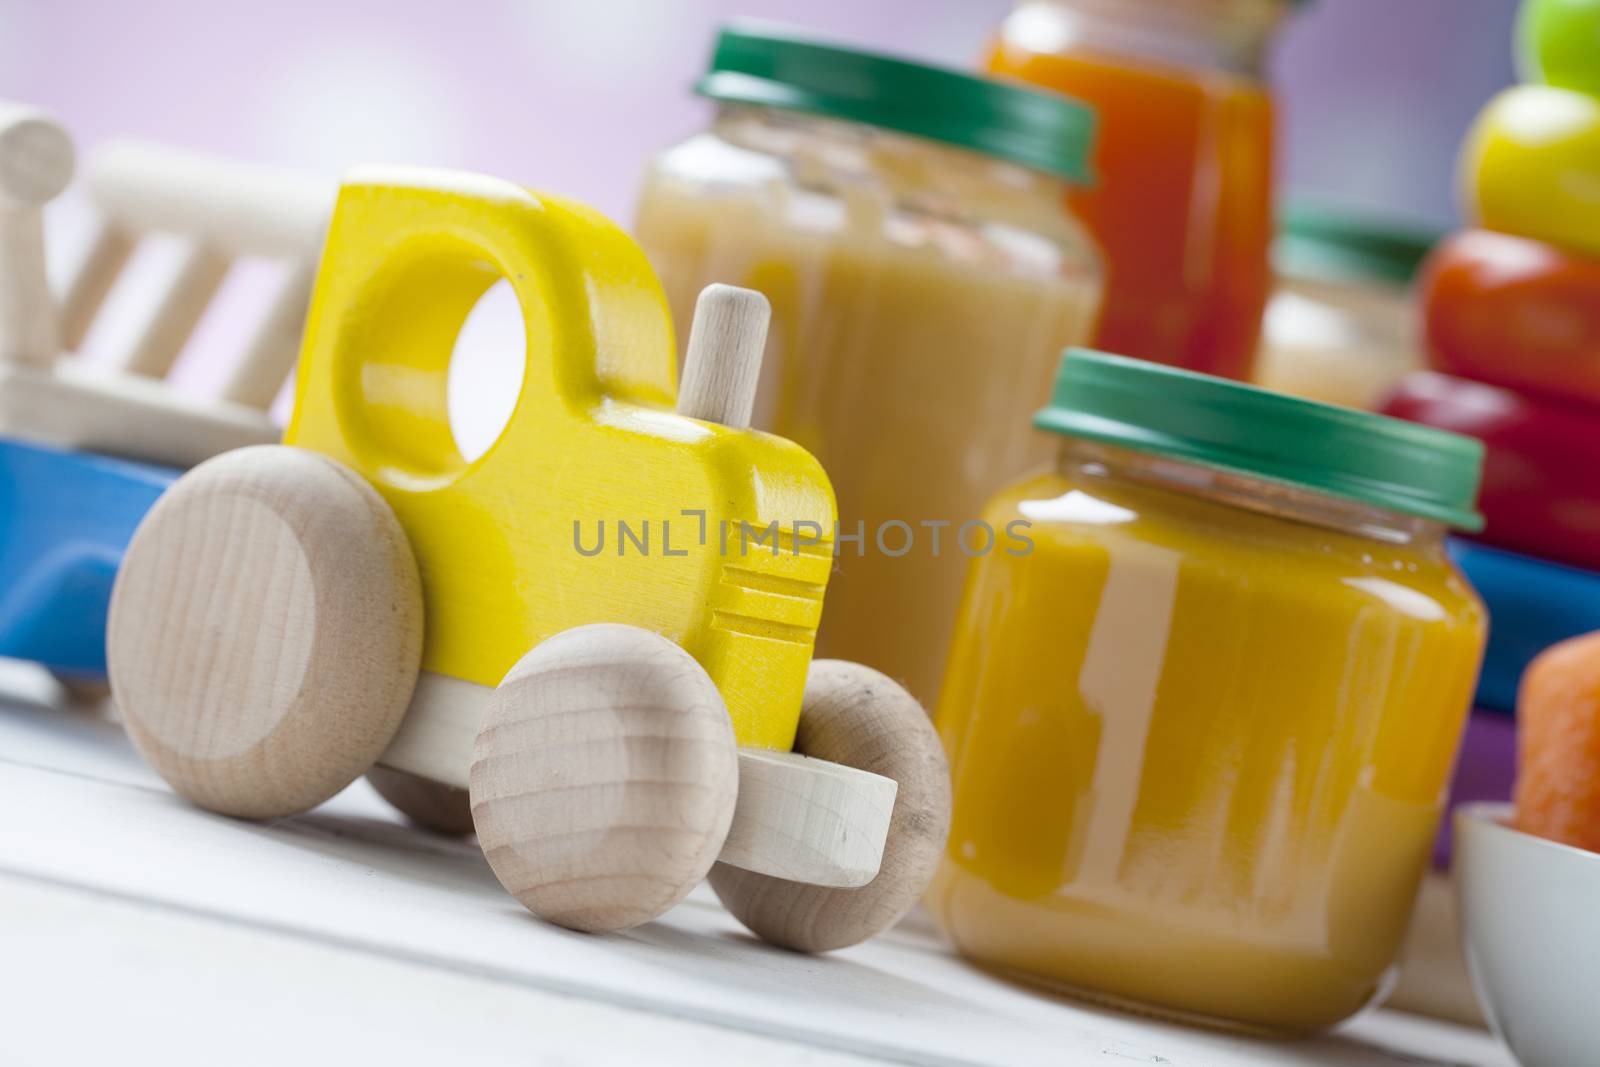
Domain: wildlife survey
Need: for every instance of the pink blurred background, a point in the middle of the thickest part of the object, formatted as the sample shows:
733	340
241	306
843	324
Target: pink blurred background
573	95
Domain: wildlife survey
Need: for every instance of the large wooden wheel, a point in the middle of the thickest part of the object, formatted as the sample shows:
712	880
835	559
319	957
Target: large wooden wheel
265	631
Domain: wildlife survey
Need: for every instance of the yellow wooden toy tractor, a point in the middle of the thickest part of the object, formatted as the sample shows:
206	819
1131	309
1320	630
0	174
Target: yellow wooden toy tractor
290	616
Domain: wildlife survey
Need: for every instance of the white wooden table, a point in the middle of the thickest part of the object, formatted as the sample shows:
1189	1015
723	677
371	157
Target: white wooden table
135	928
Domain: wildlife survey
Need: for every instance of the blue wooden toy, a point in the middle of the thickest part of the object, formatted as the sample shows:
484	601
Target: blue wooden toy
1533	604
65	519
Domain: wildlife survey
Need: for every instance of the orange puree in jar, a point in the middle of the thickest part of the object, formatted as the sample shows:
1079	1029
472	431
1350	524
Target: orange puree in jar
1200	735
1183	208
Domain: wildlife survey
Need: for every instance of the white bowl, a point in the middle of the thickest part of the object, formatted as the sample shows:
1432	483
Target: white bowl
1530	920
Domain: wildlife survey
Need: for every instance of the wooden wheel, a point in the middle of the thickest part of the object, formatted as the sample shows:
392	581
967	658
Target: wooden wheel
855	716
265	631
604	777
444	809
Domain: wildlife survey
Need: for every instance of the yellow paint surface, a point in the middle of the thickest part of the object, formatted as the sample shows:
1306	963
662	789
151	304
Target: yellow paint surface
593	439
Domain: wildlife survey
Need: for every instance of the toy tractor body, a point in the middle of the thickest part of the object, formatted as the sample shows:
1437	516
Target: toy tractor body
289	617
593	442
624	720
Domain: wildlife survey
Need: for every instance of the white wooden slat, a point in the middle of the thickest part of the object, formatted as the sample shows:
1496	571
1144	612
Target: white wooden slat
256	378
73	405
240	209
178	309
109	249
227	985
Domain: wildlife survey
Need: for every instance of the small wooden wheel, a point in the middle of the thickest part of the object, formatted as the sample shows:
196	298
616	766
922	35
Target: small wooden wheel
604	778
265	631
855	716
83	691
444	809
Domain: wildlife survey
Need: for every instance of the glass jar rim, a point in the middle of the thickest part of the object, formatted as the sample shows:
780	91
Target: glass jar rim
769	66
1341	452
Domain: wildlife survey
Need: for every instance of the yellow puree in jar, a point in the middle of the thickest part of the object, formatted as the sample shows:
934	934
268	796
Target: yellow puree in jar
1199	753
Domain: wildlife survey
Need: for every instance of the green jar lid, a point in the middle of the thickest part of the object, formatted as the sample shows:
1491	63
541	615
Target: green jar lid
1356	455
771	67
1325	243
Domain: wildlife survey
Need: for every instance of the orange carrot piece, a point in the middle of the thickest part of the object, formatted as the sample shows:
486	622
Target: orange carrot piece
1558	721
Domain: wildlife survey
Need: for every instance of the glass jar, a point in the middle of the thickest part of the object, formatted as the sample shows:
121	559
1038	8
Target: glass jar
908	226
1201	725
1341	325
1185	144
